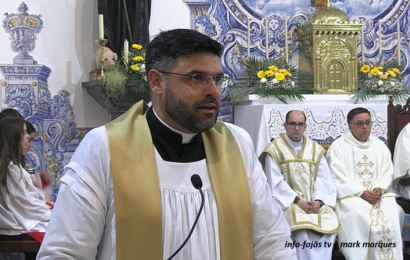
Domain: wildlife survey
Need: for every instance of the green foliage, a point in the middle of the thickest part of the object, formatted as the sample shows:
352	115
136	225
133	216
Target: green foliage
114	82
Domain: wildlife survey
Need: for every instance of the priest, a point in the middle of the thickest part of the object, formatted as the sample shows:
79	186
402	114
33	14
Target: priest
302	184
127	194
366	207
401	162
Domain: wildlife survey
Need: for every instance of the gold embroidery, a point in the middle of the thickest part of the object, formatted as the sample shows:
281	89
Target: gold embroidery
366	175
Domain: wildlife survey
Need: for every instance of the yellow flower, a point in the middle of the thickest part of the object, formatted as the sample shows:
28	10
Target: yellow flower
279	76
289	74
283	71
269	73
272	68
379	68
136	46
365	68
384	76
135	68
391	73
374	72
261	74
396	70
138	58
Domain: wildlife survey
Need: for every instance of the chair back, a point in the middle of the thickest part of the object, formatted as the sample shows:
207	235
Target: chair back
397	118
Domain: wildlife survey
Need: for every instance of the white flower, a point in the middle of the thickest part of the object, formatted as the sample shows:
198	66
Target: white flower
380	82
293	84
274	81
392	83
380	73
263	80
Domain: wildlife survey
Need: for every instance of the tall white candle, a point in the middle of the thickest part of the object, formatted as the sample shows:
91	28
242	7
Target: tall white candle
286	42
398	43
126	50
101	26
362	43
380	38
267	38
249	38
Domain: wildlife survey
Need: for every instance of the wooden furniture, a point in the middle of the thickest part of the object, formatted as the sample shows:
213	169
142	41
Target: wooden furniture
397	118
19	243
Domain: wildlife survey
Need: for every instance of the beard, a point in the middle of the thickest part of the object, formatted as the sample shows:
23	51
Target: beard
185	115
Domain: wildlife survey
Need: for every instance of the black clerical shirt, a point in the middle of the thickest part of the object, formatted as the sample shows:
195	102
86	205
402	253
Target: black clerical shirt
169	143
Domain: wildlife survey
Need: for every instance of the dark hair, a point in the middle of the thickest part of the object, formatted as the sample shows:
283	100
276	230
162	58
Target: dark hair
30	128
288	114
356	111
11	129
167	46
10	112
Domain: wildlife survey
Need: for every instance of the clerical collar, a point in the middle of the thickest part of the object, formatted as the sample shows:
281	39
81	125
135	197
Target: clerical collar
170	143
186	138
293	143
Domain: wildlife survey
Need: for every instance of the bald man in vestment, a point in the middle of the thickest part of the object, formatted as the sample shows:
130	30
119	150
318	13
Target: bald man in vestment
302	184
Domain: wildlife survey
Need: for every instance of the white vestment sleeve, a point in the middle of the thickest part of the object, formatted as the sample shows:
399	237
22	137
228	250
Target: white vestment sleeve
324	187
23	200
270	228
281	191
401	157
77	223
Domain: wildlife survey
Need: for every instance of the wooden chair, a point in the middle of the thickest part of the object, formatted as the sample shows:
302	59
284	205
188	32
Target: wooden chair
19	243
397	118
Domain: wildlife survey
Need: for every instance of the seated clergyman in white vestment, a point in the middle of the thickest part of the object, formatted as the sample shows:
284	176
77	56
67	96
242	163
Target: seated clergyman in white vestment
401	162
127	193
366	203
302	184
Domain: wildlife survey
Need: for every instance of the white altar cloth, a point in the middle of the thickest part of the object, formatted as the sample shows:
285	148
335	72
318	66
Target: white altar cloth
325	114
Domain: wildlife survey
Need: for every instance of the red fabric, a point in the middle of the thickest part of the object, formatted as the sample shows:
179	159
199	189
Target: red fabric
38	236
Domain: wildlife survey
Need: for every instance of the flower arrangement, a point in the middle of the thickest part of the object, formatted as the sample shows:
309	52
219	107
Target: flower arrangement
268	79
379	80
128	71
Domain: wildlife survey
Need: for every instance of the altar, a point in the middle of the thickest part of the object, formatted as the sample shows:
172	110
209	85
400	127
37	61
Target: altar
325	117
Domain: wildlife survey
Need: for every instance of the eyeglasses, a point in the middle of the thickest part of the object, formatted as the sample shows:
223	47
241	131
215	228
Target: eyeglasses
200	80
293	124
361	123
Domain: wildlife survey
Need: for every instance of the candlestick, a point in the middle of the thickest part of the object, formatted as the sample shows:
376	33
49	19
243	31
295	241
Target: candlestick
286	42
398	43
362	43
102	42
249	38
380	38
126	50
101	26
267	38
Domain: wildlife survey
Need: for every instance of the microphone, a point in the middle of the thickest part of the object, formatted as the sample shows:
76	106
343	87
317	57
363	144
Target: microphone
197	183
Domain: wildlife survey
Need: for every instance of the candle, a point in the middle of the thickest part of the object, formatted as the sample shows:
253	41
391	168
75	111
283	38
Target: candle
286	42
398	42
380	38
249	37
267	38
362	43
126	50
101	26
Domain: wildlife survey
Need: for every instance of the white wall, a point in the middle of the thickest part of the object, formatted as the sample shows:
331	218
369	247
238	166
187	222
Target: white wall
66	45
168	14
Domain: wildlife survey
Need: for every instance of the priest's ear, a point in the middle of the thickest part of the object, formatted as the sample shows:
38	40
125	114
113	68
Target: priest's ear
156	82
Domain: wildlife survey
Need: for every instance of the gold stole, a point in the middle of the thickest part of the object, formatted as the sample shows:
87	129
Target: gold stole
137	193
